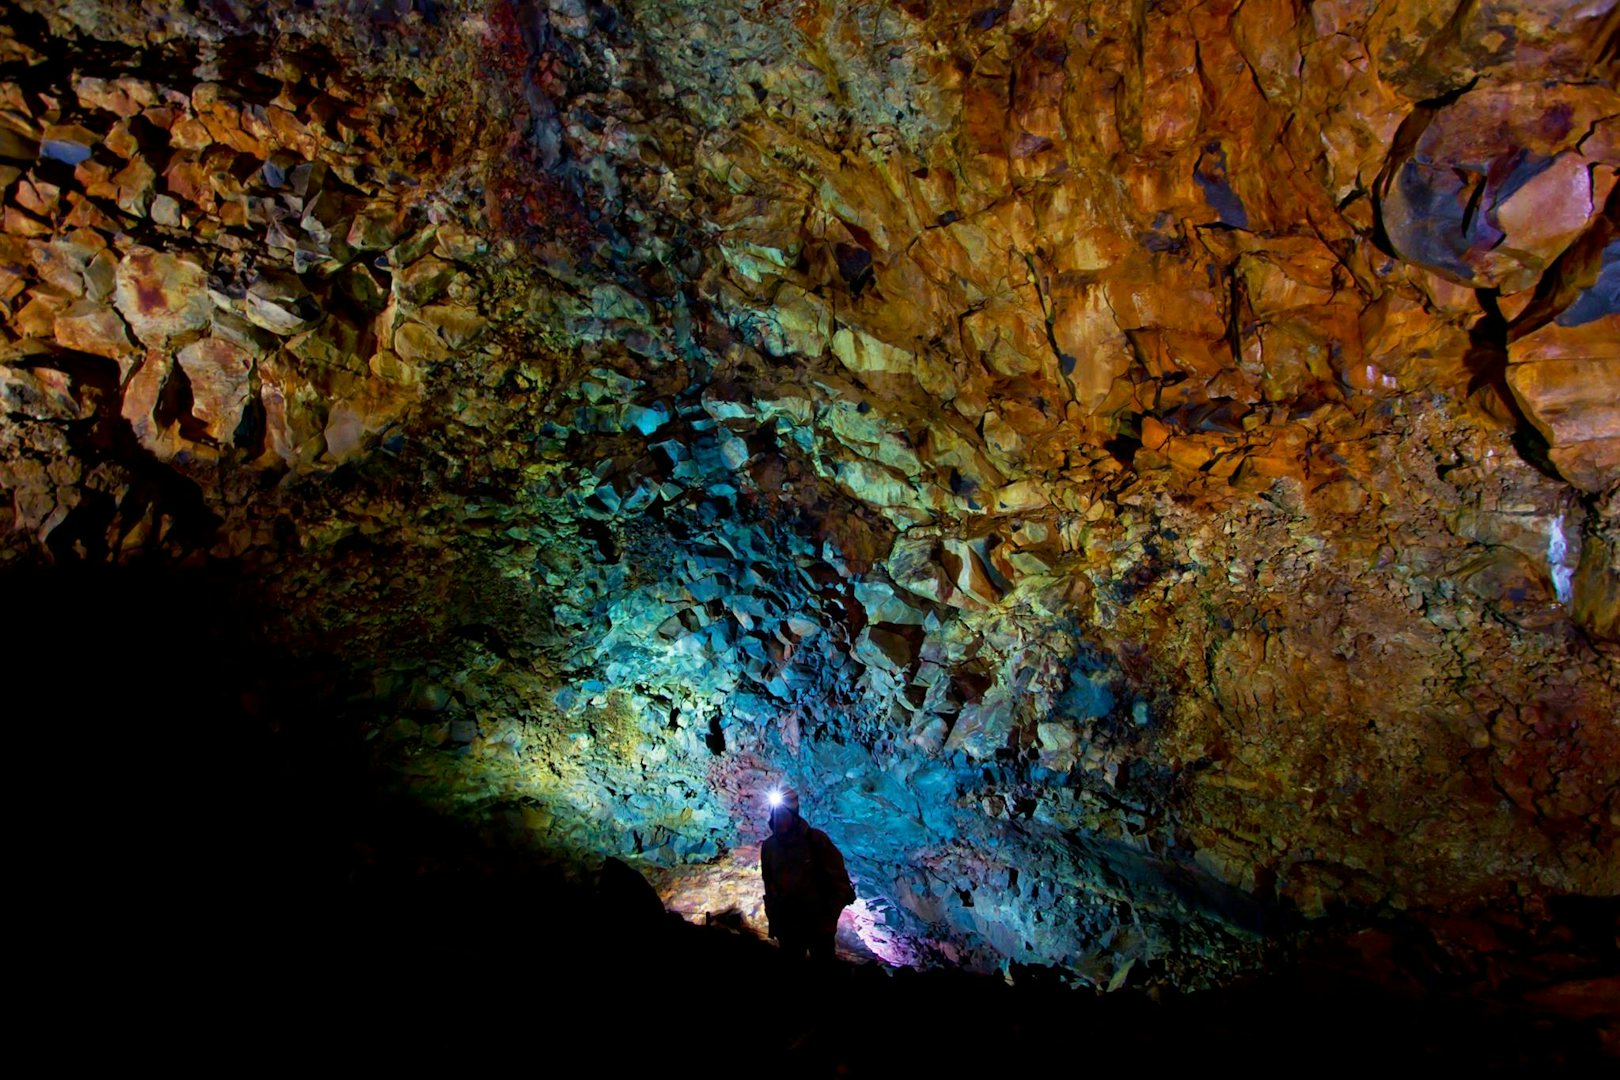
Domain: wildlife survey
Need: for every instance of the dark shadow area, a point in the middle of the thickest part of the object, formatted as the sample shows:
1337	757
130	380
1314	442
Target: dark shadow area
207	870
183	791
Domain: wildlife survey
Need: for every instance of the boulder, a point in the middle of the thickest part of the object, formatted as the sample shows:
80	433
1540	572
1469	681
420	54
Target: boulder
1496	186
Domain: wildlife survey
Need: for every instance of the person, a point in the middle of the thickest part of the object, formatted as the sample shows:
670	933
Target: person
806	885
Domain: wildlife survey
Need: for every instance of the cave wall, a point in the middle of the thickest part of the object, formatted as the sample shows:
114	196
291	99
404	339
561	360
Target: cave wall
1144	472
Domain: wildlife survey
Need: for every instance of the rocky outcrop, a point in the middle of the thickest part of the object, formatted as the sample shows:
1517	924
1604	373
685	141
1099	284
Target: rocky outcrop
1145	473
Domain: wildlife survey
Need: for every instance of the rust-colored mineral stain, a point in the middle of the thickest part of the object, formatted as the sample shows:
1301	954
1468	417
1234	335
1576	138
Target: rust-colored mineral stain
149	297
148	285
1556	123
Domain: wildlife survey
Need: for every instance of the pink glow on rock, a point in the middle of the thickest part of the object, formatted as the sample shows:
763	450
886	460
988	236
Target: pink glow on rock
884	942
731	886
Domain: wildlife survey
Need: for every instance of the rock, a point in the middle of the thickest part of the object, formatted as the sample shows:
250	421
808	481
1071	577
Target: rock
38	197
1591	466
17	146
1509	580
39	393
280	303
161	296
1058	743
966	569
424	280
166	211
124	97
1552	208
1570	338
332	346
32	493
1582	999
294	419
87	326
101	276
41	306
364	286
1026	563
982	728
353	421
860	353
1495	188
885	648
805	323
218	373
419	345
458	326
881	486
884	605
1021	497
1086	331
376	228
459	244
252	339
142	393
1575	404
646	419
1596	584
389	367
1189	453
19	223
68	143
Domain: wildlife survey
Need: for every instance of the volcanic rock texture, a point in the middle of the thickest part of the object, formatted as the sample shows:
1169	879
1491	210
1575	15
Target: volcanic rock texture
1146	472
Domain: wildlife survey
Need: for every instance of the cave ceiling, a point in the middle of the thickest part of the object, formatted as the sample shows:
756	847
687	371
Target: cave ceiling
1136	468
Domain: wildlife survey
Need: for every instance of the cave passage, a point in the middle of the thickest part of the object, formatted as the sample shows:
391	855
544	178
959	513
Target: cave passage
1145	475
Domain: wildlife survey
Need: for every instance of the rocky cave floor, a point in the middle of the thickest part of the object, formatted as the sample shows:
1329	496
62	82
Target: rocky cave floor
252	889
449	950
659	994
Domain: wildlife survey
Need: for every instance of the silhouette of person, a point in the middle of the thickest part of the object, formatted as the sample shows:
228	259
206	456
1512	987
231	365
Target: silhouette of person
806	885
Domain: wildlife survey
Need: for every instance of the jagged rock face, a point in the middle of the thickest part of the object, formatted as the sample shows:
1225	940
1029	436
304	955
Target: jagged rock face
1136	469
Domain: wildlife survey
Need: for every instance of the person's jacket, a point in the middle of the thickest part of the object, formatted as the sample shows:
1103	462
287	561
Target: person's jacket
805	879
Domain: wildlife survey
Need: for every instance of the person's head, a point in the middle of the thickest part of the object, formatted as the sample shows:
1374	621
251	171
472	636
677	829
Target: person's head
784	803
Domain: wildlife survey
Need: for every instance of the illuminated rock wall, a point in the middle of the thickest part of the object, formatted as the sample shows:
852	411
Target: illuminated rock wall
1142	472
